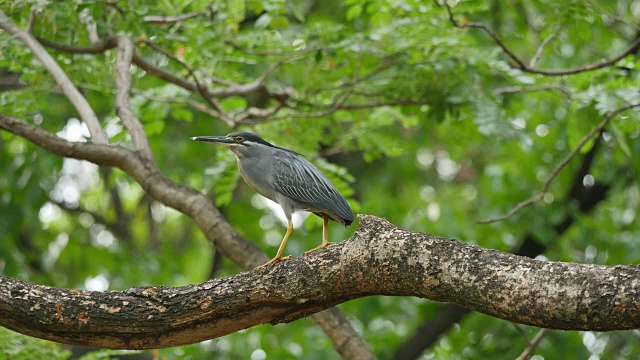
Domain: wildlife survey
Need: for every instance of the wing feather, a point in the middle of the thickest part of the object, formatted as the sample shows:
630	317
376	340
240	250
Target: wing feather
300	180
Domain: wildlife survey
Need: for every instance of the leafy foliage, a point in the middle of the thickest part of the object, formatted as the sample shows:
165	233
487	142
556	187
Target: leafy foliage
19	347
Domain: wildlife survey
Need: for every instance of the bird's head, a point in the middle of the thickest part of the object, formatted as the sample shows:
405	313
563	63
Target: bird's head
243	144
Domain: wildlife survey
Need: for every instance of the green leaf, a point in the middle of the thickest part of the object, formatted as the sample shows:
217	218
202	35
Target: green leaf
263	21
621	140
582	121
279	23
354	12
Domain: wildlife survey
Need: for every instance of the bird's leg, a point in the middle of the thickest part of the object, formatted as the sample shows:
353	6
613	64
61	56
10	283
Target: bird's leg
325	235
281	248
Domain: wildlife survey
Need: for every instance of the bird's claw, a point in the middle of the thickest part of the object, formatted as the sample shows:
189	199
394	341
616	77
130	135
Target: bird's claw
274	260
321	246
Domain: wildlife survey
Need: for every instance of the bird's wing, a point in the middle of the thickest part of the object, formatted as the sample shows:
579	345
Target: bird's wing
300	180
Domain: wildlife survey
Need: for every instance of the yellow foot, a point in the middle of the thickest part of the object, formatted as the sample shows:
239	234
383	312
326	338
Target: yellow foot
321	246
274	260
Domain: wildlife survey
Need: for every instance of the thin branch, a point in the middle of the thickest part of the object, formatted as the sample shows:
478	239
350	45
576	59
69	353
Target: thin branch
216	264
486	29
97	47
522	66
215	79
532	345
560	166
543	45
521	331
517	89
164	52
92	28
521	205
164	19
340	100
68	88
123	220
254	115
239	47
123	90
114	4
337	105
33	17
349	83
189	102
399	102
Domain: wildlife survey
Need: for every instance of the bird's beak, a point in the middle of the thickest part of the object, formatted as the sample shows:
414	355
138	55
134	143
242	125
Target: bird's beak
220	140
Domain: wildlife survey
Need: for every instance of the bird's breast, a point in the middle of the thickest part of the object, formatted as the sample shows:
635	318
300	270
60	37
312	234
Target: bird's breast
257	176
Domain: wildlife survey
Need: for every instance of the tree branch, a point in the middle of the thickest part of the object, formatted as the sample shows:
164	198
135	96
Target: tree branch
517	89
123	93
531	345
520	64
239	47
555	295
543	45
90	23
545	186
70	91
191	103
164	19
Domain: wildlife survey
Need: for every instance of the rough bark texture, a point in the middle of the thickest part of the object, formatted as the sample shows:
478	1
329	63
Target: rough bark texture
379	259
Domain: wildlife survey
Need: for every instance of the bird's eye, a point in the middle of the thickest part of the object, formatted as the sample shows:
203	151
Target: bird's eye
239	139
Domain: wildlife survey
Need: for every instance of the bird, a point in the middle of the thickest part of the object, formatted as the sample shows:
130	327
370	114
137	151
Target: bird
287	178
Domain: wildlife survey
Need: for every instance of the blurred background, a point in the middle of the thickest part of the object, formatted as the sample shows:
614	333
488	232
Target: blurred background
414	116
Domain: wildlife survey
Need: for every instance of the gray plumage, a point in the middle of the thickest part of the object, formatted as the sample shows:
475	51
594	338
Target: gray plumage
287	178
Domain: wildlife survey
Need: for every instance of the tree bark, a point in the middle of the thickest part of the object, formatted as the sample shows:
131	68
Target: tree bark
379	259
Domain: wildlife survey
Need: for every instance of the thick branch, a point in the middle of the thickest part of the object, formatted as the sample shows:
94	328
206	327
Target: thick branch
70	91
379	259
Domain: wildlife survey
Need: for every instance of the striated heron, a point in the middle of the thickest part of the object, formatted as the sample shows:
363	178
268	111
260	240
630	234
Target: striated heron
288	179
